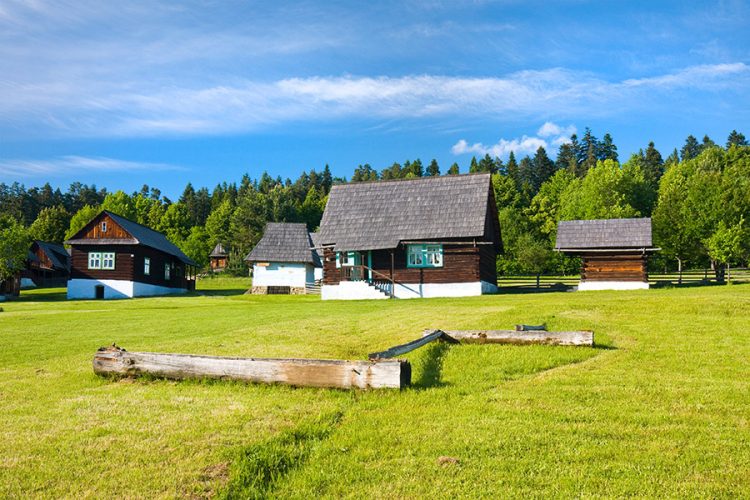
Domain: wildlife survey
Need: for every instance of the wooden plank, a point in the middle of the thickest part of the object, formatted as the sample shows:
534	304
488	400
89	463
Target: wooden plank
429	336
576	338
331	373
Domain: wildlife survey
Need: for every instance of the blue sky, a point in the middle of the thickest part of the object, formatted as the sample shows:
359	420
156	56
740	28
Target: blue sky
162	93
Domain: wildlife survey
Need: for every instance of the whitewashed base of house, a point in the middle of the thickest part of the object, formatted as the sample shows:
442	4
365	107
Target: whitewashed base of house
359	290
27	283
612	285
116	289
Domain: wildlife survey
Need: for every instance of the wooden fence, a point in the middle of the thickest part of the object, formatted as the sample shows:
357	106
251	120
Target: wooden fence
695	277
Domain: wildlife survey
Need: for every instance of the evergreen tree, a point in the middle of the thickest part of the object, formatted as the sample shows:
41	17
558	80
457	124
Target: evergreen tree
327	180
543	168
474	165
737	139
607	148
590	161
653	165
364	173
707	143
392	172
487	164
691	149
433	169
512	169
566	158
453	170
672	159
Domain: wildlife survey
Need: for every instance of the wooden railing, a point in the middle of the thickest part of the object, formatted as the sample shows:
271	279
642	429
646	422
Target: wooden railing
381	281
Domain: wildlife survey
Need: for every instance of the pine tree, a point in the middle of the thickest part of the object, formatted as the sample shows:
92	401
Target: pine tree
512	169
453	170
707	143
487	164
691	149
653	165
327	181
672	159
736	139
566	158
607	148
433	169
474	165
543	169
590	161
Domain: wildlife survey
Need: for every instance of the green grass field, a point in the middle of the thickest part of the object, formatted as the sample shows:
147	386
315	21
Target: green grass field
661	407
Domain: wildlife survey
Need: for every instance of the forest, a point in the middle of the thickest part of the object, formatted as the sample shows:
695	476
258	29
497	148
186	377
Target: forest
698	198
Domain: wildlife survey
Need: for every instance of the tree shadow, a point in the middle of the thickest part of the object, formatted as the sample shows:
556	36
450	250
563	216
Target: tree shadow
432	366
221	292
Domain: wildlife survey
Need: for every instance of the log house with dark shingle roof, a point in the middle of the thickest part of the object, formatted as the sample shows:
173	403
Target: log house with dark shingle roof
48	264
425	237
218	258
614	252
284	260
113	257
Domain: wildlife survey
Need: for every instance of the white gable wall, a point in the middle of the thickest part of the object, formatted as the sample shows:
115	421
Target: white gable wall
282	274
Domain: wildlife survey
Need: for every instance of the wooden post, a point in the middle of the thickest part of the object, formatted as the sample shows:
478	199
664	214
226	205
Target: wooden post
393	282
332	373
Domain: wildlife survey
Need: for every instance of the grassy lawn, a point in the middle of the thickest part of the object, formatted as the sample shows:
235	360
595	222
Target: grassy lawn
661	407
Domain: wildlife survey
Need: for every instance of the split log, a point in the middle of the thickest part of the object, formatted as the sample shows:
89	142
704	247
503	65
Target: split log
395	374
576	338
429	336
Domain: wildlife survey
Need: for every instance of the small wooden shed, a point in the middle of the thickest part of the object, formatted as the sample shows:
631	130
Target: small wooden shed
614	252
48	264
218	258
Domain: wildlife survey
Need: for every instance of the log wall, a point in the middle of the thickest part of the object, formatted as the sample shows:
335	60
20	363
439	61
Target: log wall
613	267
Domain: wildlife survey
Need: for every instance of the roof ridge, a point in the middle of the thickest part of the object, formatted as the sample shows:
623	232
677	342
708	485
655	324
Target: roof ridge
423	178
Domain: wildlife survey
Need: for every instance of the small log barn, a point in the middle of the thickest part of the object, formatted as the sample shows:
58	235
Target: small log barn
614	252
48	264
426	237
113	257
284	260
218	258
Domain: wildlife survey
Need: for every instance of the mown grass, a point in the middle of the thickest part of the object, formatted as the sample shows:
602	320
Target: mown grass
658	408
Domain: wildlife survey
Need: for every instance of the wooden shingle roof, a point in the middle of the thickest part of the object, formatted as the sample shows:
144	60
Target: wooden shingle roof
601	234
140	235
285	242
218	251
380	215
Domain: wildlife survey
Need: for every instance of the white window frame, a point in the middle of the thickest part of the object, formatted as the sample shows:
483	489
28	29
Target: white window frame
147	266
95	260
108	261
424	256
104	226
345	259
167	272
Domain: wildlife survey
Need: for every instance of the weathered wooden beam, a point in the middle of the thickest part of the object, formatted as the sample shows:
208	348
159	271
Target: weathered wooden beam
394	374
577	338
429	336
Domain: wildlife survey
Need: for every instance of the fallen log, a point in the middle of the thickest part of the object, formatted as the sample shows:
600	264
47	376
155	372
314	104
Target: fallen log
429	336
528	328
576	338
394	374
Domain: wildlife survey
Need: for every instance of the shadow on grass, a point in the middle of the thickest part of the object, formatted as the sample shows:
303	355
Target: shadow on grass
432	366
221	292
522	289
42	295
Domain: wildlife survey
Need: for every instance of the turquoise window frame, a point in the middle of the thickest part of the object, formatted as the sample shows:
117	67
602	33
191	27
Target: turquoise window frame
425	251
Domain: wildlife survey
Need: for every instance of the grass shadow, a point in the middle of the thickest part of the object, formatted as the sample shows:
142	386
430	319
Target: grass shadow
221	292
431	366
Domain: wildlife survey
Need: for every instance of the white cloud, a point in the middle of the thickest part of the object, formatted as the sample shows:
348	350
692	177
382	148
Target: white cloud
548	136
91	107
67	164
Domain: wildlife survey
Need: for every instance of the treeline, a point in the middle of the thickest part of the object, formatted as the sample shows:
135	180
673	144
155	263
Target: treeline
699	198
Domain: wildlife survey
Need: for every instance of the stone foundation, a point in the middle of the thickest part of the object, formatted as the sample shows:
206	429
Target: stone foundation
277	290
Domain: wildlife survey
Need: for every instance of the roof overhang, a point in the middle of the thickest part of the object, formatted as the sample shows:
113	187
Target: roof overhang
608	250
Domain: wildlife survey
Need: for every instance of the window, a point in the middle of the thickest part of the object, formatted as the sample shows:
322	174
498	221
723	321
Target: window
108	260
104	226
424	256
95	260
167	272
147	266
346	259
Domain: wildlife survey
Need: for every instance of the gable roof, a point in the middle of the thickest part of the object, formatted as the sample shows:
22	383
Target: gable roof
314	238
633	234
285	242
218	251
381	214
55	252
141	235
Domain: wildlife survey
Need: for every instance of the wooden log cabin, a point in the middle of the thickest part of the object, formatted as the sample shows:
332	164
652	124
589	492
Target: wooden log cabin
426	237
113	257
284	260
218	258
614	252
48	264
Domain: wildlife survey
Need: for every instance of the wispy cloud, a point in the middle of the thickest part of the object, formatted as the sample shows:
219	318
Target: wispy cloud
86	108
549	134
66	164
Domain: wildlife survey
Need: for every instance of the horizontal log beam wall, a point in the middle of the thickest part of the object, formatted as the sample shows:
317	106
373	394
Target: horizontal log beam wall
393	374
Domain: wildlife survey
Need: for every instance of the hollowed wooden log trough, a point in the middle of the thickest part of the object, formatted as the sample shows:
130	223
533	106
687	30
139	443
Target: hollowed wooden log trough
330	373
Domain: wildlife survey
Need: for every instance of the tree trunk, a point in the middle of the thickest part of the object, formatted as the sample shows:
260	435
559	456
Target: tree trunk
718	271
679	270
537	281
